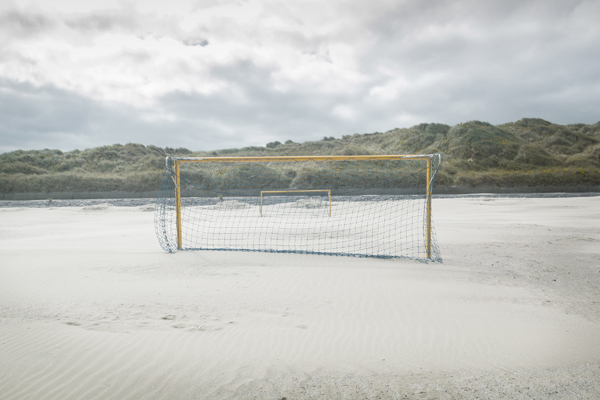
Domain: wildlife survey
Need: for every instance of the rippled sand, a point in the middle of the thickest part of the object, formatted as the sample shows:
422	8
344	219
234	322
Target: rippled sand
93	308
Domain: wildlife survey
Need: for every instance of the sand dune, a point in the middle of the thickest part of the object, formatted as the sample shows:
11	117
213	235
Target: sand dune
93	308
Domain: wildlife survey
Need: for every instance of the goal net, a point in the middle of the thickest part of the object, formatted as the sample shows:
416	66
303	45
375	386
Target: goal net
366	206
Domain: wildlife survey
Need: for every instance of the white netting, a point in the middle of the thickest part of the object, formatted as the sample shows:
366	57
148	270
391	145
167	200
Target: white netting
356	207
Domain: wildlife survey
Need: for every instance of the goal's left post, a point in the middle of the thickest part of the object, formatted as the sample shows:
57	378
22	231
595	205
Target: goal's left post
165	214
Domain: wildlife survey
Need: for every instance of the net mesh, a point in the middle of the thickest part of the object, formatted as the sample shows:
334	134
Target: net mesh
366	207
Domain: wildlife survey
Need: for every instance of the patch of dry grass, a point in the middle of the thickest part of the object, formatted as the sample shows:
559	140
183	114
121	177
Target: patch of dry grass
529	152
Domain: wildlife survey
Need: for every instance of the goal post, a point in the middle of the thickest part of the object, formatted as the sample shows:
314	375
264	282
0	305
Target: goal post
366	206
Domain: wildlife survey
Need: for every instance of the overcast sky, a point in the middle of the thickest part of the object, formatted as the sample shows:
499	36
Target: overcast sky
213	74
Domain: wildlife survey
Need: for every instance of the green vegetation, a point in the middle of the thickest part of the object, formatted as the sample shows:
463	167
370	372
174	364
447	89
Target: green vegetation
529	152
244	176
132	167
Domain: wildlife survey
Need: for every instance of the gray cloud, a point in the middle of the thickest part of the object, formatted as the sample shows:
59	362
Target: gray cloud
495	60
208	4
22	23
102	21
48	117
19	24
435	61
253	107
194	41
251	113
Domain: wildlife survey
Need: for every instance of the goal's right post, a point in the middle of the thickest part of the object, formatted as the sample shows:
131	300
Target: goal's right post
178	203
428	227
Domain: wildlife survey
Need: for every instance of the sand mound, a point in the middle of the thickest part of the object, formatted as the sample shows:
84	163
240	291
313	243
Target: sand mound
230	205
312	202
97	207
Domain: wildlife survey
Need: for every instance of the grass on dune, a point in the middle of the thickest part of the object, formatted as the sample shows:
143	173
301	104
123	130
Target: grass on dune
529	152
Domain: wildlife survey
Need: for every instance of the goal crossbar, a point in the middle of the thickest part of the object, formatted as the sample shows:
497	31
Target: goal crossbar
301	158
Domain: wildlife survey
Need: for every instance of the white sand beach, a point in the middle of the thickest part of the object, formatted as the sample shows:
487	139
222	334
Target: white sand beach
92	308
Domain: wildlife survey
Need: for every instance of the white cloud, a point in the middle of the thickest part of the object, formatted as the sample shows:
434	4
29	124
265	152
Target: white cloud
240	72
345	112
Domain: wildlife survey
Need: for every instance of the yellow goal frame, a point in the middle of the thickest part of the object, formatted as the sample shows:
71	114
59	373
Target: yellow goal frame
428	157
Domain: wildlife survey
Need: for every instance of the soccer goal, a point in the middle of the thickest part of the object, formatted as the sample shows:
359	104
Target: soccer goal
365	206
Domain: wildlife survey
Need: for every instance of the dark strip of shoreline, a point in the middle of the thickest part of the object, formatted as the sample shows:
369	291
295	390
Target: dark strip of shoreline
137	202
